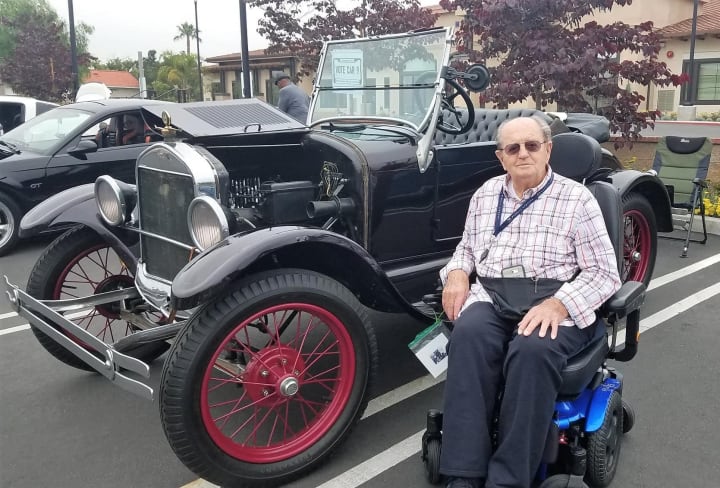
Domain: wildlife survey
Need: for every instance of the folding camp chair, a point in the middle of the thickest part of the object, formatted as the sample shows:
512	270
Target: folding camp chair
682	164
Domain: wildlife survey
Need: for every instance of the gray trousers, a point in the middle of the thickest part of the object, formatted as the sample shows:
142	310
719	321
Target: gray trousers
486	354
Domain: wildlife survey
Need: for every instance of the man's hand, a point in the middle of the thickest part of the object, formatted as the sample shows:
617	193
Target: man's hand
455	292
549	313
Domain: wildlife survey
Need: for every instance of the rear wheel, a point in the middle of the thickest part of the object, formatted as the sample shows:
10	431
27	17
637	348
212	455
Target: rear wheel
266	381
639	239
604	445
79	263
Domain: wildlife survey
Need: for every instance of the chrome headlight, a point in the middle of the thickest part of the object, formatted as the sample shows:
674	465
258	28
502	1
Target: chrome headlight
115	200
207	222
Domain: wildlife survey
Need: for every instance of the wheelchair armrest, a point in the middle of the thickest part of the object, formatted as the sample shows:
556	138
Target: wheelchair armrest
627	299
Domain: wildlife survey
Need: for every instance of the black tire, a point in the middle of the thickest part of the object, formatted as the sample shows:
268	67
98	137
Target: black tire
558	481
639	239
229	349
628	417
604	445
10	215
432	461
83	254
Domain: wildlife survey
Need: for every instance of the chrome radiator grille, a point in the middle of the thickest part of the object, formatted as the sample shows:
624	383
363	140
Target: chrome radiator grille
164	198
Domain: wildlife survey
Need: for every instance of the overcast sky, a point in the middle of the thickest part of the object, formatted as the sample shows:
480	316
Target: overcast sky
124	28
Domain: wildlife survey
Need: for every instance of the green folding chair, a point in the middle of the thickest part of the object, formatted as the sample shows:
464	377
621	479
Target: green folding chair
682	164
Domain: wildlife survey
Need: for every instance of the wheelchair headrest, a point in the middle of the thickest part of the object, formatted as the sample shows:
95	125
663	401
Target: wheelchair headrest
575	156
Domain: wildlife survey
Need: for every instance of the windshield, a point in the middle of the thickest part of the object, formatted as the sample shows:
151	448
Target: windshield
390	77
46	133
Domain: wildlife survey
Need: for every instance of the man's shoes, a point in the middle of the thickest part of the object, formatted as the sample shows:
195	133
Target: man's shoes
454	482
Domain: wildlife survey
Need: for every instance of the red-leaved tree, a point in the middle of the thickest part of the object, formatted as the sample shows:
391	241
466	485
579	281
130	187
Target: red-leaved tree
37	63
545	51
301	26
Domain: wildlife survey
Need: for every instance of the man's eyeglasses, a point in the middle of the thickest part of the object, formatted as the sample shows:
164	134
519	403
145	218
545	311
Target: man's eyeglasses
530	146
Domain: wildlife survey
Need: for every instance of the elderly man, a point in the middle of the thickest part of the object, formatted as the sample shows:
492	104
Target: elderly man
293	100
535	227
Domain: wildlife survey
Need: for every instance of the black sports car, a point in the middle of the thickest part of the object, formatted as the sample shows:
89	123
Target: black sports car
65	147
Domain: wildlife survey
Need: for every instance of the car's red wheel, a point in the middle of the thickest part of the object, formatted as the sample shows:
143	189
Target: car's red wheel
639	239
77	264
266	381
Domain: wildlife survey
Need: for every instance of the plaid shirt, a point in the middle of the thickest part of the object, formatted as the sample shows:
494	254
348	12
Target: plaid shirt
559	233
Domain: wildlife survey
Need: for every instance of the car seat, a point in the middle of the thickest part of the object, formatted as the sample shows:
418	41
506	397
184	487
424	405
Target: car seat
584	436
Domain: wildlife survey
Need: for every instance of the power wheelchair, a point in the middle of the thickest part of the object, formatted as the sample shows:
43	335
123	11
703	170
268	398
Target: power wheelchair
585	433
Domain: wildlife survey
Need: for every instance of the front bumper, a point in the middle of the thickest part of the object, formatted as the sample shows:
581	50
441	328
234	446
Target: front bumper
106	359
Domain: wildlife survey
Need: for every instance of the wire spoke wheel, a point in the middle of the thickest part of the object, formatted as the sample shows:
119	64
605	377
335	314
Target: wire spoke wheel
80	264
266	381
639	239
286	383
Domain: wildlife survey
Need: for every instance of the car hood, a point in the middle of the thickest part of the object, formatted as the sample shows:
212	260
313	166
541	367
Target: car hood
25	160
207	119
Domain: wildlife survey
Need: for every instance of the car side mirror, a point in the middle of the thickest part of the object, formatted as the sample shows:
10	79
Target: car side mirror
83	147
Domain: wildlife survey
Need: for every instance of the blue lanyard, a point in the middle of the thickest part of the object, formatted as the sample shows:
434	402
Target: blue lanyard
501	200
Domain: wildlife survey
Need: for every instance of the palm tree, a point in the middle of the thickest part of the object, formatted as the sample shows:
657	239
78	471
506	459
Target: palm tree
187	31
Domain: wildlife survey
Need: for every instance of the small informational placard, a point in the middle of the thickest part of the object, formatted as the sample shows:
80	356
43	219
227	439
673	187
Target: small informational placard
430	347
347	66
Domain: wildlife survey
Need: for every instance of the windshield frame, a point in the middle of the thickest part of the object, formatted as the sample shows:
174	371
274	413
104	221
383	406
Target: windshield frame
438	83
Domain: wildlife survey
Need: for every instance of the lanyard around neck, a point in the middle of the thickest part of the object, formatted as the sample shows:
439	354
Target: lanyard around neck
501	200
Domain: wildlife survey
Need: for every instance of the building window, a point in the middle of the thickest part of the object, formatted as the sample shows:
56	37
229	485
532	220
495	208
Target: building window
704	85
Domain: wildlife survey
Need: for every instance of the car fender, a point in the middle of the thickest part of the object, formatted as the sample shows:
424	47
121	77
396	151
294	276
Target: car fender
652	188
77	206
309	248
599	403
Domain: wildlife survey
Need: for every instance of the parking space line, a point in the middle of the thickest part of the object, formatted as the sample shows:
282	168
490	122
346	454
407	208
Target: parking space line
674	310
7	315
378	464
683	272
10	330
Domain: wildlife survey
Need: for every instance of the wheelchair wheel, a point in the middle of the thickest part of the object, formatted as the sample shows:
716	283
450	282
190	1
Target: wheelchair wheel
604	445
559	481
432	461
628	417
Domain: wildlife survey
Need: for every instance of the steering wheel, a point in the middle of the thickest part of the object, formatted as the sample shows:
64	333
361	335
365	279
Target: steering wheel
457	126
448	104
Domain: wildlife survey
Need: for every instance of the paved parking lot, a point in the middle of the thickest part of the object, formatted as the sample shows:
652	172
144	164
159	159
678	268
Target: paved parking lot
64	428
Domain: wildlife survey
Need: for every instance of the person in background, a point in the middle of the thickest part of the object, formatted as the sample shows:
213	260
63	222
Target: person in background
293	100
535	224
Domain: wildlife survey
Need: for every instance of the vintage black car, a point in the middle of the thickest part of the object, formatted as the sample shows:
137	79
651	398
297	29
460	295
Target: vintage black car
60	149
255	244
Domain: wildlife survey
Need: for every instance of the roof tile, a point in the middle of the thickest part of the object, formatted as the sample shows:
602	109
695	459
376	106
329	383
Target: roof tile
113	79
708	22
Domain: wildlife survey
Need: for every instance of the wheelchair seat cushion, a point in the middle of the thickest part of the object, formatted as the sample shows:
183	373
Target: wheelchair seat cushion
581	368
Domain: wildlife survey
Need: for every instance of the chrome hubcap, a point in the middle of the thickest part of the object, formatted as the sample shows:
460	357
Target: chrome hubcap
289	386
7	224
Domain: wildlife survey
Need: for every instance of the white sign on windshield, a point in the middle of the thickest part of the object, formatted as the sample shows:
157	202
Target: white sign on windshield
347	68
